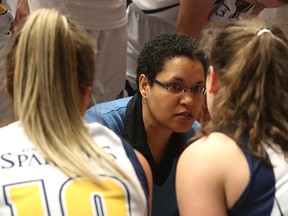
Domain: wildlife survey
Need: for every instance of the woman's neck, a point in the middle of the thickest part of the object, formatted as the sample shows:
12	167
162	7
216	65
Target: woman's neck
157	137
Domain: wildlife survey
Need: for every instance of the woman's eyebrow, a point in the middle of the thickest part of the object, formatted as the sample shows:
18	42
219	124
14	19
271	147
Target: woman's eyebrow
181	80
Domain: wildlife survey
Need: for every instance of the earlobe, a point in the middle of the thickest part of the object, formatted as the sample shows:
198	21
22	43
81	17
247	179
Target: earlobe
143	85
213	81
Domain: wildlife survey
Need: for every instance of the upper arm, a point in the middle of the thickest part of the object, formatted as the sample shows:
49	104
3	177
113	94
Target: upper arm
200	183
193	16
148	173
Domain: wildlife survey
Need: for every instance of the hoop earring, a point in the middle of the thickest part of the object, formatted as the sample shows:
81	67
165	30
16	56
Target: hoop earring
144	100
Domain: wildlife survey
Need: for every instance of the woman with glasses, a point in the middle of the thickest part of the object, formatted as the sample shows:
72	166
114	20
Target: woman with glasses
161	115
240	165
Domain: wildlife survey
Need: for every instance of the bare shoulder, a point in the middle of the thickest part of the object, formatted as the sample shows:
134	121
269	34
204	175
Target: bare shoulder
216	144
217	153
208	166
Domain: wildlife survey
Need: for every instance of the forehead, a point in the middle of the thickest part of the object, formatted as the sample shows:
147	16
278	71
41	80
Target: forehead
182	69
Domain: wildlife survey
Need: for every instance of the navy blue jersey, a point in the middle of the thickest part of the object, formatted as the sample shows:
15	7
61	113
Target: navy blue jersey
267	190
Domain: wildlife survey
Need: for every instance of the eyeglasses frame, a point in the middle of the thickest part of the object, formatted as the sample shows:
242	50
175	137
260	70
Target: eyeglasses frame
183	87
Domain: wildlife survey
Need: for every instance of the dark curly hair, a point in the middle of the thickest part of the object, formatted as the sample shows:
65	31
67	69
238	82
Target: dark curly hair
164	47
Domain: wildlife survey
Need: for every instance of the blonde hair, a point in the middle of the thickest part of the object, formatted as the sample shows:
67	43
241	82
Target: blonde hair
253	75
52	61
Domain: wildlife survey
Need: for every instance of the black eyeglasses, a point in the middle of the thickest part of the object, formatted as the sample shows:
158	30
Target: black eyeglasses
177	88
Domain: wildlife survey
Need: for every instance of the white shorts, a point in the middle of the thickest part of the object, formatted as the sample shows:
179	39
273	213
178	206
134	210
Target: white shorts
110	43
111	46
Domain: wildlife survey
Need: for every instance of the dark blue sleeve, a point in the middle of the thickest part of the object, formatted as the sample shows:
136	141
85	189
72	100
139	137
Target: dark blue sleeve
137	166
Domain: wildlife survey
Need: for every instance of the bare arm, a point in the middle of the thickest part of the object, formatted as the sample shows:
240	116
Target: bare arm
199	185
206	181
148	173
193	16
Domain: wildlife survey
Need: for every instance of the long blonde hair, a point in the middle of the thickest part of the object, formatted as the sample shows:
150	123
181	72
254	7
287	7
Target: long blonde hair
51	61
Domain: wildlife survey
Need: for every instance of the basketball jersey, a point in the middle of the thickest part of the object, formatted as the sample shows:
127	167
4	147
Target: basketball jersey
280	170
225	10
31	186
267	189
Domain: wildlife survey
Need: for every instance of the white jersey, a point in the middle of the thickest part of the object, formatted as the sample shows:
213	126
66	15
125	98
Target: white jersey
91	14
280	171
168	10
30	186
225	10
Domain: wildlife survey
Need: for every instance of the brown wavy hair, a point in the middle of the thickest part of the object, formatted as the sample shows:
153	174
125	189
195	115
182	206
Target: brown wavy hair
253	75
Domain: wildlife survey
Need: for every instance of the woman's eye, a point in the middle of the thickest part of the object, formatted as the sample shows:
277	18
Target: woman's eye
175	86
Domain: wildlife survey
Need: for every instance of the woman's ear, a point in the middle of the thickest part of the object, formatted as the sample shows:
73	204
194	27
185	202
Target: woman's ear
143	85
86	94
212	80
